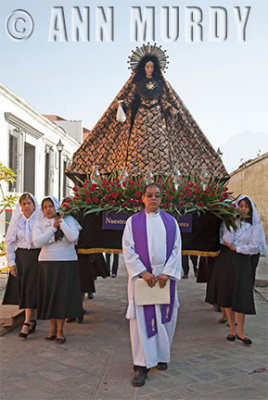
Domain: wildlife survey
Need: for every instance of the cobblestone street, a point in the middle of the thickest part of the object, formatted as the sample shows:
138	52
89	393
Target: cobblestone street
95	362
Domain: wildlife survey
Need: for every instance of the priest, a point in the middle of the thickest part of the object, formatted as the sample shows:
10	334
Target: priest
152	251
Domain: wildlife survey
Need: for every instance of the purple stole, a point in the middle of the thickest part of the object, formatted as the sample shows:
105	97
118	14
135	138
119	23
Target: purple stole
141	248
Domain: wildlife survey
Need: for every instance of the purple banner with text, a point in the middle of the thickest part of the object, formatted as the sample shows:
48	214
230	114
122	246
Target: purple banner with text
185	223
114	220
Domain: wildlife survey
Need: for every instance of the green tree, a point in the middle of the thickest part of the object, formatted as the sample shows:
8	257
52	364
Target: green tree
6	200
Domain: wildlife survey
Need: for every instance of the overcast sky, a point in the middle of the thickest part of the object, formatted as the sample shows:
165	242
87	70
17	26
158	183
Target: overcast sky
223	83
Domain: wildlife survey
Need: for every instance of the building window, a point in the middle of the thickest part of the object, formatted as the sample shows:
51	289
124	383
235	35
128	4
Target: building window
13	158
49	170
29	168
8	215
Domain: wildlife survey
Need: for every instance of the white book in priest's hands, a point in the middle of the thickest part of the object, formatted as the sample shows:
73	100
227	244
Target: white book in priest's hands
145	295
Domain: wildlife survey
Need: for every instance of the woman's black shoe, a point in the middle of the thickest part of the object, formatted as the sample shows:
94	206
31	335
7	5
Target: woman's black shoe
246	340
231	338
51	337
33	323
60	340
69	320
22	334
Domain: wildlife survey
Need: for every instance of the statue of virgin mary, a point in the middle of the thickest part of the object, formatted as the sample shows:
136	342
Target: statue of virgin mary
158	131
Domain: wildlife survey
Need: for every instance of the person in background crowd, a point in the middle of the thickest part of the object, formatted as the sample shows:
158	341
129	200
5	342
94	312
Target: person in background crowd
90	267
115	264
90	294
231	285
58	283
22	257
185	265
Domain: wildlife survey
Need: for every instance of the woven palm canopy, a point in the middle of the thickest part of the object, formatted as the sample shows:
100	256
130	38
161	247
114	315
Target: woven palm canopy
150	137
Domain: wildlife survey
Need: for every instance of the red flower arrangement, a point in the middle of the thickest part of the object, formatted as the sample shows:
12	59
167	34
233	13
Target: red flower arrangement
189	196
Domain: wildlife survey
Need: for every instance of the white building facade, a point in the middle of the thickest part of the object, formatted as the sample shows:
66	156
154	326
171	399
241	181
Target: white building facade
36	148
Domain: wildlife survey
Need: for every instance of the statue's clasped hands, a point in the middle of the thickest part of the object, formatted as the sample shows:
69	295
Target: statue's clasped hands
151	279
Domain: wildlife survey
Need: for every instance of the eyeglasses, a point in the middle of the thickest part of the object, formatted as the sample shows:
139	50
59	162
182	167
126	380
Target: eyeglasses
157	196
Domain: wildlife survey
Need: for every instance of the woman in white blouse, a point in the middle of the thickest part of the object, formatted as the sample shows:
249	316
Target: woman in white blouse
58	283
22	257
232	283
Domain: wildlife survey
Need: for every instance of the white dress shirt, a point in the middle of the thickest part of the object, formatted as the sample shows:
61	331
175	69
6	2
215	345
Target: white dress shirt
247	238
19	234
60	250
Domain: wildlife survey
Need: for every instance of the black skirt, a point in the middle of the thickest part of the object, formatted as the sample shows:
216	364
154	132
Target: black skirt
205	267
254	260
90	267
59	294
231	282
22	290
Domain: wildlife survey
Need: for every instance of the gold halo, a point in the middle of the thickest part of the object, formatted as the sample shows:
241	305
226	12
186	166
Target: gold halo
148	50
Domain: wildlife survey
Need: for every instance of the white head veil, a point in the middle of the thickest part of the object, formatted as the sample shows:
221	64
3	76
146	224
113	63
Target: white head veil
41	216
255	221
19	219
54	201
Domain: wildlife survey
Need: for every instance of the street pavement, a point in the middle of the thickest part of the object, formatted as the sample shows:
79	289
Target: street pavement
95	362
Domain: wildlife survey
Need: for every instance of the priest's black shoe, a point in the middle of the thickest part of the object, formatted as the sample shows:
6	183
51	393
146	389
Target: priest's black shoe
139	378
162	366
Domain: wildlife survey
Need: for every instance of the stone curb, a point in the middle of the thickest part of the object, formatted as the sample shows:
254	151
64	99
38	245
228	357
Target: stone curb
261	282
